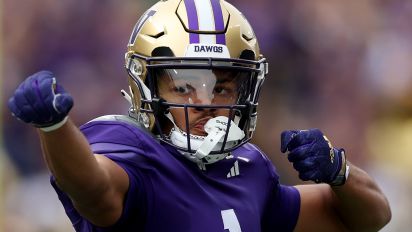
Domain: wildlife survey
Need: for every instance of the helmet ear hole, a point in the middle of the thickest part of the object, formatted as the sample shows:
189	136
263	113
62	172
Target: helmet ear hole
247	55
162	51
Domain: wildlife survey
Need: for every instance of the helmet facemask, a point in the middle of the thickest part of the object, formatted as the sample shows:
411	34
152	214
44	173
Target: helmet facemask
198	89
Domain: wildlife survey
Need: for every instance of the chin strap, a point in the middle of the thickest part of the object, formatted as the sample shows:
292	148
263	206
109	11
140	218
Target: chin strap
216	129
179	138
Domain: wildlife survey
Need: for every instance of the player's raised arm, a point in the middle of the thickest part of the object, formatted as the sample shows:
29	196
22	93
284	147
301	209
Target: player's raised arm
350	200
95	184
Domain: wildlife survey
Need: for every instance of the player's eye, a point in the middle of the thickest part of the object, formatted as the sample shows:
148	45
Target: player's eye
223	90
183	89
220	90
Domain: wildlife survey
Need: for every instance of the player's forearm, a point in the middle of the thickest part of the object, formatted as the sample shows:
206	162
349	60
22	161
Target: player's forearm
94	183
362	205
70	159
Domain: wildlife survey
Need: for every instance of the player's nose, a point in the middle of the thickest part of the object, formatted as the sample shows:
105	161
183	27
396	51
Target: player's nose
203	98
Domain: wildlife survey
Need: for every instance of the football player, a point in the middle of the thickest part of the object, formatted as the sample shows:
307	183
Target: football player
181	160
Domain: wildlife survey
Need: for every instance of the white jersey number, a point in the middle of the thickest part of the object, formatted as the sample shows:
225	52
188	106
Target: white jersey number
230	221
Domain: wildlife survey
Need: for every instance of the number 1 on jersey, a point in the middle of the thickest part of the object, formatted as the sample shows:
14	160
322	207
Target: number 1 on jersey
230	221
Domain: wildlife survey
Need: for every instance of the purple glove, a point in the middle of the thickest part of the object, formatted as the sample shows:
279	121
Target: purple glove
314	157
40	101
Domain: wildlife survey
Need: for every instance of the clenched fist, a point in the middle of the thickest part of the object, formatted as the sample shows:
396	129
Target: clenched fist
314	157
40	101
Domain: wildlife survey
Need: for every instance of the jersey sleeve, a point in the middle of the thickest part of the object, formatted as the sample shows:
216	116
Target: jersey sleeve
121	143
283	206
282	210
134	205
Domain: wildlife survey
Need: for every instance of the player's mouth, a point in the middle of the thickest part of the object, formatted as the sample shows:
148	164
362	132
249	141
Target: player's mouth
198	127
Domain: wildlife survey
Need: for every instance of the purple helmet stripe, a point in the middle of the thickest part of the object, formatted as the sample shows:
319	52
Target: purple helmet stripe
140	24
221	39
194	38
193	20
219	24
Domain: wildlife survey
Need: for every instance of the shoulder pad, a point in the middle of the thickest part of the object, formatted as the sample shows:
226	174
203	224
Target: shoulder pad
119	118
116	130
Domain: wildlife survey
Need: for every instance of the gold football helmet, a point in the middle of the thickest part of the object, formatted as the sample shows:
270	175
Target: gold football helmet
179	42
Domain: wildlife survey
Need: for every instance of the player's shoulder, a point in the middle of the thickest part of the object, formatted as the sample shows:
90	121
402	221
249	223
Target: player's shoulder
115	119
117	129
251	151
255	156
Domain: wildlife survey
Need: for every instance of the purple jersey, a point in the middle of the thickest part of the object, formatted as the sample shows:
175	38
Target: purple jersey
168	192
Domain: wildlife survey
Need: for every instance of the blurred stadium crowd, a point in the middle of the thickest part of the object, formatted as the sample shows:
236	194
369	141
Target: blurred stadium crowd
341	66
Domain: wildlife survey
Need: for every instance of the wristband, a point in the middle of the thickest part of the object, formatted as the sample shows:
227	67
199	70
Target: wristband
55	126
343	173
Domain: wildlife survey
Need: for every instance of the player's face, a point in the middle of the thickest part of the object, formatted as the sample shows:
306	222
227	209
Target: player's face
200	87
